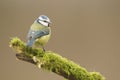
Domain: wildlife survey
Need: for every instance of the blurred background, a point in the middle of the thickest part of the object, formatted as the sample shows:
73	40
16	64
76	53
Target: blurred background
84	31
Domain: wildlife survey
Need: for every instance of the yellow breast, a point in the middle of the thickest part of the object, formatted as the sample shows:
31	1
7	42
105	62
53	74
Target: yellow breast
42	40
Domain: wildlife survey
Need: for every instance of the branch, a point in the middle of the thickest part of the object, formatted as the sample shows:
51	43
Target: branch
52	62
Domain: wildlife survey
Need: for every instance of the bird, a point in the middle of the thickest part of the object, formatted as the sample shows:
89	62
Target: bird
39	32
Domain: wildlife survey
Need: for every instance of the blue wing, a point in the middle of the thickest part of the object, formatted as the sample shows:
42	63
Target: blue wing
33	35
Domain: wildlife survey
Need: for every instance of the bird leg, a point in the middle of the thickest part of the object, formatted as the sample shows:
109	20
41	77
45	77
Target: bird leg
43	49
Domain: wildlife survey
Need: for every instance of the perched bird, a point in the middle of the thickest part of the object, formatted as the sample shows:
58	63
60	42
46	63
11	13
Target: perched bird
39	32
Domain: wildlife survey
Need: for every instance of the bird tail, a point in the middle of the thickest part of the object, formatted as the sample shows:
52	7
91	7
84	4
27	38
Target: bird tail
30	42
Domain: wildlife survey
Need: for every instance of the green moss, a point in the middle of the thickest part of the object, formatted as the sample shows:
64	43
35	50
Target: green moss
20	47
58	64
16	42
97	76
53	62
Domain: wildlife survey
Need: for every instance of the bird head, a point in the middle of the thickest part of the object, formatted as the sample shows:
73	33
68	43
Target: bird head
44	20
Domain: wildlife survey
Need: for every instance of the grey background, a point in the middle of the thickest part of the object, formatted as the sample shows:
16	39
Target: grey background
85	31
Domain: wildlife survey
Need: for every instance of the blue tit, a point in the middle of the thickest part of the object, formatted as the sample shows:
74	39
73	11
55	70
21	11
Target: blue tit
39	32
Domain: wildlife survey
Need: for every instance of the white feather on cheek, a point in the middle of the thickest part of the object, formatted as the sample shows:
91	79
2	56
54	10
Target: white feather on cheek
44	23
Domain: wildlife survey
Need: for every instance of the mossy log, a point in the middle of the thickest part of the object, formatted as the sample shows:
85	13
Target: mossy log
53	62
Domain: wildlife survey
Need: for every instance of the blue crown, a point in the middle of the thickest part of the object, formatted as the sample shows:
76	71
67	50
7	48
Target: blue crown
44	17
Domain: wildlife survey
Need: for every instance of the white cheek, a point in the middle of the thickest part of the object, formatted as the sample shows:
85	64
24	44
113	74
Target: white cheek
44	23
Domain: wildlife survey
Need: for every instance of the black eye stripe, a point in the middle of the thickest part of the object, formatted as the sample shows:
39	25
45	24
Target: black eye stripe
38	20
45	21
